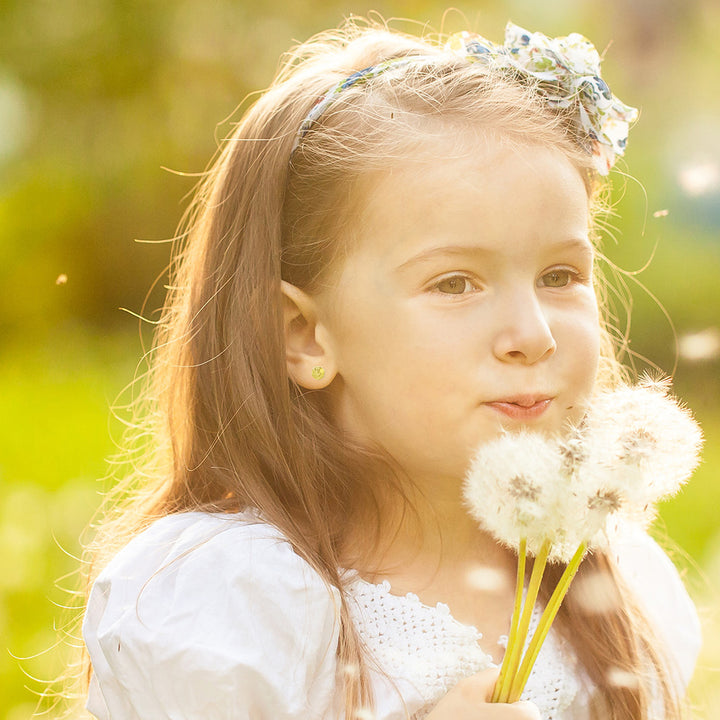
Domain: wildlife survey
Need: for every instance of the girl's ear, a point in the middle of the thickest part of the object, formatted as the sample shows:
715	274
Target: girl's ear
309	358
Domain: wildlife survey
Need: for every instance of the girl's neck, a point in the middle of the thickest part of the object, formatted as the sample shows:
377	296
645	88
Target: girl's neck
432	530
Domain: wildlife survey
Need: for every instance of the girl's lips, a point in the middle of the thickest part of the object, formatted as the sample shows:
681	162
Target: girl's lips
521	408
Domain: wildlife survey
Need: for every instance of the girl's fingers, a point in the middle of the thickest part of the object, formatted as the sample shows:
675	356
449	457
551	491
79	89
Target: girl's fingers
478	687
470	700
530	709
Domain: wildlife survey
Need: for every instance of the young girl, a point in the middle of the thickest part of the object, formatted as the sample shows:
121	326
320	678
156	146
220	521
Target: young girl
390	263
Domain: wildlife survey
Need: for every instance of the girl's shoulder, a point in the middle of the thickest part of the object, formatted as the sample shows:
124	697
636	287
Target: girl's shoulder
202	609
194	553
230	543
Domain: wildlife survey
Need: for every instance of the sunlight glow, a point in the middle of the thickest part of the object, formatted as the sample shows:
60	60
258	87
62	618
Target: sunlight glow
699	178
698	346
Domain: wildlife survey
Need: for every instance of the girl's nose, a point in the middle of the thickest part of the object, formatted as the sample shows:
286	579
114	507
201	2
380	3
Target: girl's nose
523	335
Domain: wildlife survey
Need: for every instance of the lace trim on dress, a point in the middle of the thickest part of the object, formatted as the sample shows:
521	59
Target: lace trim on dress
427	648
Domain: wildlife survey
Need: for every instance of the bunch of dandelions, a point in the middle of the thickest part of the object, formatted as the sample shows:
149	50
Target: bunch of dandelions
554	498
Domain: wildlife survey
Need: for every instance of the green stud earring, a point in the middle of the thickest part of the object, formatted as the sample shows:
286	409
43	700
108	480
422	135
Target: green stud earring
318	372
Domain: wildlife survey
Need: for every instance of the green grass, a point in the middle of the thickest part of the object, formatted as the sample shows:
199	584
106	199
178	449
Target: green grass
55	433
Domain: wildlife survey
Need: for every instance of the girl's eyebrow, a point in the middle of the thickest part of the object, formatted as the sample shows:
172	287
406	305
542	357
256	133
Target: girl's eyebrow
444	250
579	244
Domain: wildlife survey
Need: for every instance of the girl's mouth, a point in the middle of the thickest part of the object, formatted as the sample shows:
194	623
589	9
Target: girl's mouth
522	408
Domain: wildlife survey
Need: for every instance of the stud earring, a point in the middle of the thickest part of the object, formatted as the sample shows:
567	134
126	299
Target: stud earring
318	372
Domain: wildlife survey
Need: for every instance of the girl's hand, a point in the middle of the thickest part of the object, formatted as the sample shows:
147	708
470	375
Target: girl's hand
470	700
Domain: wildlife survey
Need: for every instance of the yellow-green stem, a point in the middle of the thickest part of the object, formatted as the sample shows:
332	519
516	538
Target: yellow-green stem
517	607
524	624
551	610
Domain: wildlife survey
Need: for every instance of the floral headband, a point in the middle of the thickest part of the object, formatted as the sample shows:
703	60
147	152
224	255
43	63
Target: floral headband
568	71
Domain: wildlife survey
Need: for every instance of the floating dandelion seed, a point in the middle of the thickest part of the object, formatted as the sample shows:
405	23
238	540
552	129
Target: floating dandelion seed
596	593
702	345
351	671
364	714
661	213
482	578
61	279
622	678
700	178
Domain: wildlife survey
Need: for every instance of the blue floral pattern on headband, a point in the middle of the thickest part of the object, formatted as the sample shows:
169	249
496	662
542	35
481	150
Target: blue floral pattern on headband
567	70
357	78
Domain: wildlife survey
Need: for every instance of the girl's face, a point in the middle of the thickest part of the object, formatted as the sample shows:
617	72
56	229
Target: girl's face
465	305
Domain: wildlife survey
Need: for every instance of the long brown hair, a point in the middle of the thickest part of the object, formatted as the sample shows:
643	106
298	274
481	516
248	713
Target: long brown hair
227	429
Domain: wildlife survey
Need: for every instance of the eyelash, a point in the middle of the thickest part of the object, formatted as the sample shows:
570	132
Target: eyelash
456	276
574	277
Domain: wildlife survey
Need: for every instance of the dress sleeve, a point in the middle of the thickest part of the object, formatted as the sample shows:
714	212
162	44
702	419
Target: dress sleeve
205	617
659	588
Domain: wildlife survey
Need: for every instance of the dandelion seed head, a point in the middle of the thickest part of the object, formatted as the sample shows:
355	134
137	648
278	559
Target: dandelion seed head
528	513
511	486
573	452
609	500
637	446
600	505
594	523
566	541
518	487
641	442
523	488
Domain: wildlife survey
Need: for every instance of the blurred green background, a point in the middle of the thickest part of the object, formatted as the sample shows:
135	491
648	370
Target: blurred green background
99	97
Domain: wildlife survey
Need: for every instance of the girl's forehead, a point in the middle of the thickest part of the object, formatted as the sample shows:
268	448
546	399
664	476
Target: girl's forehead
450	159
484	189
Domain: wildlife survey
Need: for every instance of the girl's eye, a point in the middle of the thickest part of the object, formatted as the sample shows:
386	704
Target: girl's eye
558	278
455	285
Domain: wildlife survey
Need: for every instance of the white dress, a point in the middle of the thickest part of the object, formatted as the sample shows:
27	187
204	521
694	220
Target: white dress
215	616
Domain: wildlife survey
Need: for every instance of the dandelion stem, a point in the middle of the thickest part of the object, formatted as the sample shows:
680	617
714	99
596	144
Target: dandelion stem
524	624
519	585
546	620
